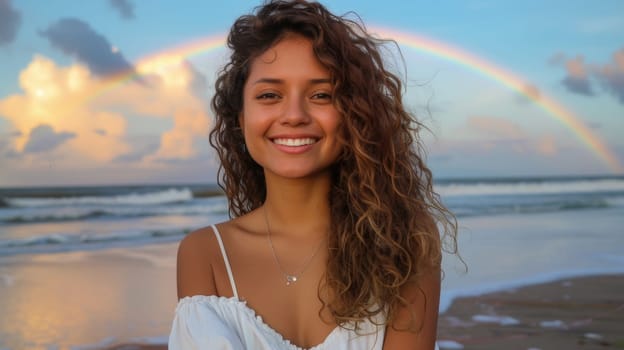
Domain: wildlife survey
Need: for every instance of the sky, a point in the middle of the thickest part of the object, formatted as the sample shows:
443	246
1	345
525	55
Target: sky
117	91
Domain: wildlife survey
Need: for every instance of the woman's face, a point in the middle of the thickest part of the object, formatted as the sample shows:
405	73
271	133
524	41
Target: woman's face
289	121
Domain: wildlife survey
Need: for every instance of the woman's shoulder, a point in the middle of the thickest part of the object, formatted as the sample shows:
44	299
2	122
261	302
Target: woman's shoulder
197	252
198	244
200	264
202	245
203	242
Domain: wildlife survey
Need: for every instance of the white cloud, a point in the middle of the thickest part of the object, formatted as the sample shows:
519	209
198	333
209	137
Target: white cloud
71	100
56	96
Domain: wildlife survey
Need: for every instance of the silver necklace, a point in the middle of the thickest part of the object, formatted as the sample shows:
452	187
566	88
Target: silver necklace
290	278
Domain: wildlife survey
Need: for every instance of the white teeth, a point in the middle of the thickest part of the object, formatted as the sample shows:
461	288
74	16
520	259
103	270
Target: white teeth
295	142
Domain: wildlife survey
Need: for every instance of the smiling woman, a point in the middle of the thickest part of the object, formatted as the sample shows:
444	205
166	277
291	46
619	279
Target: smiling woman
334	240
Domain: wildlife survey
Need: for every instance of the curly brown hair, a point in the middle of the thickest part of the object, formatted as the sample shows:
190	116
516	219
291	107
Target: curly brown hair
385	216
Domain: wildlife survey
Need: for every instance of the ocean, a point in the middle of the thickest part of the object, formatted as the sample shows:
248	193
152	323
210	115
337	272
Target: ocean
118	243
57	219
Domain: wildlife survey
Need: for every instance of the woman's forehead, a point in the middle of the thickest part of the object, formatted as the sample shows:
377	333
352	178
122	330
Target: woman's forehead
290	56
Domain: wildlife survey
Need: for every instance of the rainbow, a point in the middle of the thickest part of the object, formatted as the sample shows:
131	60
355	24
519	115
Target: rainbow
428	46
178	53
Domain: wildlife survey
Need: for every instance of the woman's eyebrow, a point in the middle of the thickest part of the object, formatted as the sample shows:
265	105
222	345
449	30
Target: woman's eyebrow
281	81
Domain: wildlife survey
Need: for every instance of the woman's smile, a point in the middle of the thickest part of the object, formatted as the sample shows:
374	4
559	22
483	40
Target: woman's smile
294	142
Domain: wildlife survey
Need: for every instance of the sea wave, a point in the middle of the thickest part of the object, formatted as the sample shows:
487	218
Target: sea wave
53	243
530	207
518	187
172	195
68	213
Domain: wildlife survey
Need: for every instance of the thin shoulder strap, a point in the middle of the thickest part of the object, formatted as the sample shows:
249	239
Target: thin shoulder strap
225	260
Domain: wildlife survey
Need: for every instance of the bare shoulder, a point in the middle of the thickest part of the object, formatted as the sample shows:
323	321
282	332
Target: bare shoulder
415	325
200	268
196	253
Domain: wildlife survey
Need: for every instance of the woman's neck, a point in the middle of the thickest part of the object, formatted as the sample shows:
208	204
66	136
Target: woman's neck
298	207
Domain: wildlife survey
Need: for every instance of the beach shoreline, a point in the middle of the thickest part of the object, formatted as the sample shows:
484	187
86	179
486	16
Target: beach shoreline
87	300
579	312
108	282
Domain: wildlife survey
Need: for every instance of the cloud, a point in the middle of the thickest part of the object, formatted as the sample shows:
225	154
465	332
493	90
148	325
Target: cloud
579	74
577	78
43	139
10	20
90	121
611	75
178	84
77	39
483	136
125	8
4	143
142	147
6	147
57	96
136	155
464	149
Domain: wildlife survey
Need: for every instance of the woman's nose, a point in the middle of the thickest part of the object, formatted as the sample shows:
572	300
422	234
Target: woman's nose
295	112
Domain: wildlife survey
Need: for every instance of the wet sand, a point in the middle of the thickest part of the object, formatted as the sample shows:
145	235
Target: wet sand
87	300
577	313
574	313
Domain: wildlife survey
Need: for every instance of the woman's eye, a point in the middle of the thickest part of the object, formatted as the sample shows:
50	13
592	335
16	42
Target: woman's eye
321	96
267	96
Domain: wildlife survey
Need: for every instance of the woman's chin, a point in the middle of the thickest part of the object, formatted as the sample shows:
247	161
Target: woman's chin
299	173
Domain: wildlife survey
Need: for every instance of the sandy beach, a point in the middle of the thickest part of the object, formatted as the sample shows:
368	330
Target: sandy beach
570	313
535	280
576	313
87	300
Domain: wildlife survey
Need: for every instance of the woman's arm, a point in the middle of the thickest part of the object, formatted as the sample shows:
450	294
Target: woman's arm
415	325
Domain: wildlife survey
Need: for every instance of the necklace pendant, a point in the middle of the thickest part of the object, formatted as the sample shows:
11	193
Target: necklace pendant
290	279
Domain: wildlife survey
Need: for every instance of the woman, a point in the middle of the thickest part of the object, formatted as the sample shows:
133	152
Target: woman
333	241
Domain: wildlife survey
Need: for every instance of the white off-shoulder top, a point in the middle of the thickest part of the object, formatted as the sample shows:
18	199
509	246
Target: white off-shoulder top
210	322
